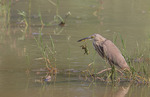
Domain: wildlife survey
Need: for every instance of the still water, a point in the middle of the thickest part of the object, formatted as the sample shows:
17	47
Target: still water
21	61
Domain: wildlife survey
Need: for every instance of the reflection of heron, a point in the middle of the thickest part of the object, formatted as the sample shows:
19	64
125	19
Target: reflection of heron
107	50
122	91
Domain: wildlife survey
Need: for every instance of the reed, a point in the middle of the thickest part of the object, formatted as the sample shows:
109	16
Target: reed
48	52
24	17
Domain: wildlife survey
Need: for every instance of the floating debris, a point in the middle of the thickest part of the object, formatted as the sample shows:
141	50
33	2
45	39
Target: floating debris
41	58
62	24
53	70
72	70
48	78
38	81
36	33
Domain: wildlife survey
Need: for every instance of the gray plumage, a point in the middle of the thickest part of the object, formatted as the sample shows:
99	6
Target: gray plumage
108	51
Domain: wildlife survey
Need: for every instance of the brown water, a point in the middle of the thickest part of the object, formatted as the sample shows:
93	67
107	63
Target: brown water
19	66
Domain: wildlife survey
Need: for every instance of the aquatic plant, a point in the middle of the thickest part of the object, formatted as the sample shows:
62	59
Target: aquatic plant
24	17
39	14
5	15
23	23
48	52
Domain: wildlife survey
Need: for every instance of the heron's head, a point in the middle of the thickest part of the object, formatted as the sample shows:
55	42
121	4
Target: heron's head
94	37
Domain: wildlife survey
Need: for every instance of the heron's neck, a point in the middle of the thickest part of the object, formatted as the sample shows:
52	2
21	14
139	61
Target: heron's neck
104	41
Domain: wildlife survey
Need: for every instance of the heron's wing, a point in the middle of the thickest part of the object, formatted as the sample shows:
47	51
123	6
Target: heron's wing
113	54
99	49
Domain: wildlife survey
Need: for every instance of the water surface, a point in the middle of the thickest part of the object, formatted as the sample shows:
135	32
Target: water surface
19	51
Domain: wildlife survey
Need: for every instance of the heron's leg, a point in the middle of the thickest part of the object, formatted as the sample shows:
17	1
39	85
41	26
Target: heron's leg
107	62
101	78
108	70
104	70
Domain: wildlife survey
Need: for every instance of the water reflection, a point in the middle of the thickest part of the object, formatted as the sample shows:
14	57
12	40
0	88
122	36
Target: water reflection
122	91
17	42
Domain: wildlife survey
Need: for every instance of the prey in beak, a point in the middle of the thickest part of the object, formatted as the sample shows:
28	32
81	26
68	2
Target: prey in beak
84	47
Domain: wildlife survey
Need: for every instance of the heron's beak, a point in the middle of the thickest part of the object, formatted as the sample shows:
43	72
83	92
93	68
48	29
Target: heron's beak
84	39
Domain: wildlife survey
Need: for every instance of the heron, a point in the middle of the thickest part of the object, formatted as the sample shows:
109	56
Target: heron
108	51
